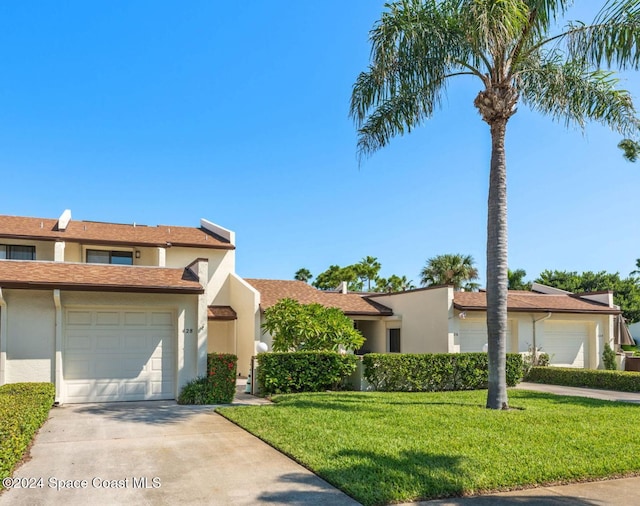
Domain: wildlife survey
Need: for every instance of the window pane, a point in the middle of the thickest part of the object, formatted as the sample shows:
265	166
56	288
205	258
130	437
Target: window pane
21	252
3	252
122	257
95	256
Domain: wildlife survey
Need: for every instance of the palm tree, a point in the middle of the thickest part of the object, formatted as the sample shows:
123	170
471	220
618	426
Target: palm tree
509	47
303	275
450	269
367	270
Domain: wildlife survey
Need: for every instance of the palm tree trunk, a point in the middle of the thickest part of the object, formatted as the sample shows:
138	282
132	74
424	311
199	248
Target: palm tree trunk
497	279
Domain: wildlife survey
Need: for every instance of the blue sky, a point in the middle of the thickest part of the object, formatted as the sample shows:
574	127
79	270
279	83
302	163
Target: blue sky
165	112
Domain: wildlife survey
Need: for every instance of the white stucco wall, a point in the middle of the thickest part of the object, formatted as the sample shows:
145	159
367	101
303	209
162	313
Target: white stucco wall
426	319
245	300
221	264
222	337
44	249
31	335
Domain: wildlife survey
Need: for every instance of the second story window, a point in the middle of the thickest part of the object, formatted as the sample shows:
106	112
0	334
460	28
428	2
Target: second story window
97	256
14	252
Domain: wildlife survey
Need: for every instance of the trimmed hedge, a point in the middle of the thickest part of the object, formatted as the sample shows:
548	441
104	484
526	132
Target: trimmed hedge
623	381
24	407
217	387
434	372
303	371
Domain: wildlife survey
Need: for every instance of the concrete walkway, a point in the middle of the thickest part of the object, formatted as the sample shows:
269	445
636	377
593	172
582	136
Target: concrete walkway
606	395
157	452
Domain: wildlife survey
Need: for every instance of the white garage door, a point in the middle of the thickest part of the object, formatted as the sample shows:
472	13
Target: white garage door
566	343
473	335
119	355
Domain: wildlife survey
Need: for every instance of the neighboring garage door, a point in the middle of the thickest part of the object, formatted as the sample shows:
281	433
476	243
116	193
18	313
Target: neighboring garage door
119	355
473	335
566	343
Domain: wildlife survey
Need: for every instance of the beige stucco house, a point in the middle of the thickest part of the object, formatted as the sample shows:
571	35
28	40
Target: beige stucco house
112	312
571	328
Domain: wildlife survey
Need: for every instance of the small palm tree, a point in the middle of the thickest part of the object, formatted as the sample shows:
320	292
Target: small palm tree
303	275
367	270
450	269
418	46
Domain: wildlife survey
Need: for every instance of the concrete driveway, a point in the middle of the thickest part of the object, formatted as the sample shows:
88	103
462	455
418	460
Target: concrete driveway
158	453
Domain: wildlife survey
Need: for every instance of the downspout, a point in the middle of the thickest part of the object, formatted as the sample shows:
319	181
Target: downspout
535	346
3	338
57	364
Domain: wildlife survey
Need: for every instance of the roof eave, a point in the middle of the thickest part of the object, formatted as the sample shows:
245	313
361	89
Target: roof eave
86	287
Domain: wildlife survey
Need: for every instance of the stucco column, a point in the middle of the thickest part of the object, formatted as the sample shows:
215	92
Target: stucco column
57	363
201	268
162	257
58	251
3	338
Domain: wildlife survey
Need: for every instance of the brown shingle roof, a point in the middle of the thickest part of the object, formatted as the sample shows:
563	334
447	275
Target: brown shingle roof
92	232
353	304
222	313
533	302
96	277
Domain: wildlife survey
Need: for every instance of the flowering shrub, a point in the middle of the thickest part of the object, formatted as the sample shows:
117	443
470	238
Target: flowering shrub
217	387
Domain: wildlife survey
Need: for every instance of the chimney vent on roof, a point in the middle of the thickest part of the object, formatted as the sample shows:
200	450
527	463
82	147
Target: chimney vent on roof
64	220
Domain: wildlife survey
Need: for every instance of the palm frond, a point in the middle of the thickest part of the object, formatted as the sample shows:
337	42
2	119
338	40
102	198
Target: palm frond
396	115
612	38
572	92
631	151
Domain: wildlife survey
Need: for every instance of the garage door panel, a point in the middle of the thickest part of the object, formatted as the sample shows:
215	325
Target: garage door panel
136	318
473	336
78	318
565	343
161	319
127	361
107	318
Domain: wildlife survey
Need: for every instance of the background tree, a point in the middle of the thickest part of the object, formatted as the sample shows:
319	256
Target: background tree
334	275
393	284
367	270
309	327
450	269
516	280
636	272
418	45
626	292
303	275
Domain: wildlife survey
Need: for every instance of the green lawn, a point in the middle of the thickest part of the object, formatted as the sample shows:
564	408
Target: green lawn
389	447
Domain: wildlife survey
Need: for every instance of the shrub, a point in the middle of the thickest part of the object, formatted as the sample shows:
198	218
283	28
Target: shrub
309	327
303	371
24	407
434	372
609	358
217	387
623	381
